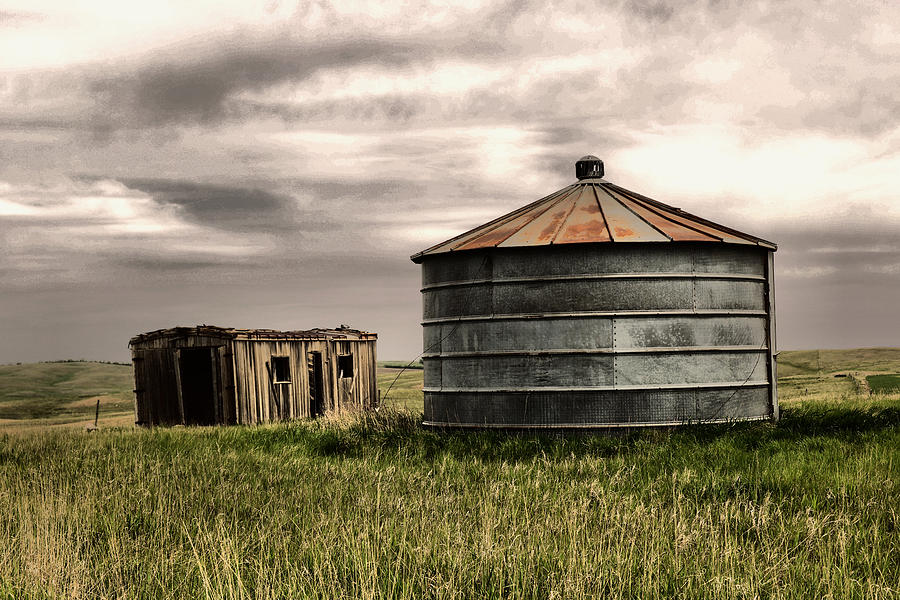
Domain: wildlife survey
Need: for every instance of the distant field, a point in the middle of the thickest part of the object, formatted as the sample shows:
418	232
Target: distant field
65	393
819	375
807	362
399	364
406	393
884	384
374	506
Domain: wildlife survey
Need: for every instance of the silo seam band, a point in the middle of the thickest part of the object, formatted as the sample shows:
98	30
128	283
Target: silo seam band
602	388
590	425
593	276
620	313
567	351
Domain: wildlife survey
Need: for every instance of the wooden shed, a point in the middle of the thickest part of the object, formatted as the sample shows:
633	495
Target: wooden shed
208	375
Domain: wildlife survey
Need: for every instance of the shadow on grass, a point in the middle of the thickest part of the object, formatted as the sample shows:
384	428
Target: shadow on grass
399	434
393	435
829	419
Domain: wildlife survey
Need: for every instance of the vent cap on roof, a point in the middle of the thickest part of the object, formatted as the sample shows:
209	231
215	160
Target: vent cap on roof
588	166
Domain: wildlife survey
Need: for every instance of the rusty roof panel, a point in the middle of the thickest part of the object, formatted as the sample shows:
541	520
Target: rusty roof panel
624	225
496	235
455	242
585	223
675	231
590	211
679	216
543	228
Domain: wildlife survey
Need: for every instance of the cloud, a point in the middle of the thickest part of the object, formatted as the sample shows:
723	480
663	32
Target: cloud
644	63
73	231
845	249
234	208
194	83
308	150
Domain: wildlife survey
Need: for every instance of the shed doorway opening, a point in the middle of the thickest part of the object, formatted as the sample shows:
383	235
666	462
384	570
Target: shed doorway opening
280	378
316	384
198	385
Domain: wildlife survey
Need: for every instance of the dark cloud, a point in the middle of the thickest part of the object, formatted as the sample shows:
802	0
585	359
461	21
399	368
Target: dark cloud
837	286
194	83
653	90
851	254
34	123
351	189
197	83
654	11
202	82
166	266
234	208
391	108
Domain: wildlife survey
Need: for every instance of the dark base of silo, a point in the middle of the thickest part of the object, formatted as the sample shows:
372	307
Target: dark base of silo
595	410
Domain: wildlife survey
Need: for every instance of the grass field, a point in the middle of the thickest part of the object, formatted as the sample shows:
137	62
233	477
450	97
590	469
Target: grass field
376	507
884	383
65	393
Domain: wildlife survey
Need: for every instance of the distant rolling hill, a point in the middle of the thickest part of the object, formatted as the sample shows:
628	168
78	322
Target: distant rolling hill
807	362
66	393
58	393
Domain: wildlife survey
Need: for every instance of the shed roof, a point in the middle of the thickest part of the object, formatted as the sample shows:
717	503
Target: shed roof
592	210
341	333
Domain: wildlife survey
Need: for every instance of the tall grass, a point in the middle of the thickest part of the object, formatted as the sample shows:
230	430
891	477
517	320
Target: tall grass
376	507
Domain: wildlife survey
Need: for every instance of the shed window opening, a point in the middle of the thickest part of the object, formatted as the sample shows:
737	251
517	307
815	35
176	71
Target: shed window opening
345	365
281	369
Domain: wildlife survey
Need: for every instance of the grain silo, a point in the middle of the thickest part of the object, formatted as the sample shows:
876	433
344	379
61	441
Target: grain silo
597	307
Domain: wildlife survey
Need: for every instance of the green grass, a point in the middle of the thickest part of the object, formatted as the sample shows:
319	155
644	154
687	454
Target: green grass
880	384
401	389
377	507
374	506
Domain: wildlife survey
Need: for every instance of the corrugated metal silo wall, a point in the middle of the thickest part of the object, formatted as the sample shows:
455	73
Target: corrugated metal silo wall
598	335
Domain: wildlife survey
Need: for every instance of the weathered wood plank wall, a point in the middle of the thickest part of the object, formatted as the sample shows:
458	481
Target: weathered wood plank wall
256	398
244	387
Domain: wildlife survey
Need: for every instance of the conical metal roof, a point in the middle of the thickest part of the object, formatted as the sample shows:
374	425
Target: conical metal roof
590	211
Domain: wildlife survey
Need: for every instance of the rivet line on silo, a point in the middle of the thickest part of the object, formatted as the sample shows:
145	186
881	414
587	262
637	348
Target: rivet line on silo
615	345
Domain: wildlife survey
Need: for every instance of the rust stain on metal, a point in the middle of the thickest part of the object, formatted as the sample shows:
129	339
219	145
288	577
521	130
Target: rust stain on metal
460	240
499	234
590	212
716	233
585	223
678	233
542	229
624	225
675	214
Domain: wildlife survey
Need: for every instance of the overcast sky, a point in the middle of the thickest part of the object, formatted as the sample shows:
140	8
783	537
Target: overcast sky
274	164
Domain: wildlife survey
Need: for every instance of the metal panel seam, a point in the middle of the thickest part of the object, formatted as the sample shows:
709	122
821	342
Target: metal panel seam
602	214
562	222
629	209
